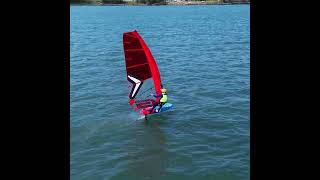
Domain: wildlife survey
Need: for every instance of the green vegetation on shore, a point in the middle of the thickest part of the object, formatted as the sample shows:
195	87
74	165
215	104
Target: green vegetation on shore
157	2
149	2
83	2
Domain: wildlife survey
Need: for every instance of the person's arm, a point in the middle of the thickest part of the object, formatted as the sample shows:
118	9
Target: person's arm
154	95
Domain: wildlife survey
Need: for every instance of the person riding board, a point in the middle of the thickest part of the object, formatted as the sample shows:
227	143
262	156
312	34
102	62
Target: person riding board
163	100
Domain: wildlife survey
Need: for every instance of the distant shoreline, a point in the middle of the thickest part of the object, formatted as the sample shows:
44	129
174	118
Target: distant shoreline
188	3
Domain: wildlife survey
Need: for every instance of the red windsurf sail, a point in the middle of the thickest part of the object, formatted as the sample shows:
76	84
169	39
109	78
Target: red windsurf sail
142	71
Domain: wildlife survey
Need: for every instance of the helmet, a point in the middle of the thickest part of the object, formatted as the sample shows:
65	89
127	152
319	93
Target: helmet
163	90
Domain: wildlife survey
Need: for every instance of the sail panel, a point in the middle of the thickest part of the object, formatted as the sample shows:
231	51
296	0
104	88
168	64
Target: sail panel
140	66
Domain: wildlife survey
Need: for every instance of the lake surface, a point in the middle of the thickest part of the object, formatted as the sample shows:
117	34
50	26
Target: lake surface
203	57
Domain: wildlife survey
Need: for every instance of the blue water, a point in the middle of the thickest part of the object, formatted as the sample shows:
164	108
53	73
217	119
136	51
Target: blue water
203	56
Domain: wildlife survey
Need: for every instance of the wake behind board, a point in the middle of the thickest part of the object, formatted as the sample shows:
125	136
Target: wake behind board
165	107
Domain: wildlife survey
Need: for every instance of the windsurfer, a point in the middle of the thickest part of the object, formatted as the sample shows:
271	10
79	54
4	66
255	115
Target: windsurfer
163	100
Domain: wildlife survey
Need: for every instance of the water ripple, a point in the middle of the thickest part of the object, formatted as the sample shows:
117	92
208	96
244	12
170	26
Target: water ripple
203	56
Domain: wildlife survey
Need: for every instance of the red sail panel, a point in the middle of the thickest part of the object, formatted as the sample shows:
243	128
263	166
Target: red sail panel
152	64
135	57
140	66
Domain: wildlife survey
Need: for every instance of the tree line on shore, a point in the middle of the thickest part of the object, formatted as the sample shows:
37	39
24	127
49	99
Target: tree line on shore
149	2
117	2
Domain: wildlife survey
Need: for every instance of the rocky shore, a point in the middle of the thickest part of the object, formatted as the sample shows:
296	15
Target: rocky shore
182	2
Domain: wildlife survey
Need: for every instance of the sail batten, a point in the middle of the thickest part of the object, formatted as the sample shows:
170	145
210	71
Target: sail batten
134	66
132	50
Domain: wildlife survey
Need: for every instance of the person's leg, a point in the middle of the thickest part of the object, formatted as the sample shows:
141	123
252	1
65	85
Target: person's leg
156	104
161	104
